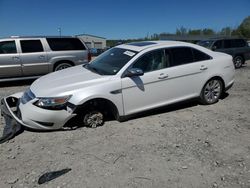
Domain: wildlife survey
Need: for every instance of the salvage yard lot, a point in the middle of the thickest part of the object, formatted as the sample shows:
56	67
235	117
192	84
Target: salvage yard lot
189	145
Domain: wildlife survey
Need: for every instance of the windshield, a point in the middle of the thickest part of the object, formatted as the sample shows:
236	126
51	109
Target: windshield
206	43
111	61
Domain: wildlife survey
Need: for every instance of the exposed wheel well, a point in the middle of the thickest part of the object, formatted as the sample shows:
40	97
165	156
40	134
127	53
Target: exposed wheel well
105	105
61	62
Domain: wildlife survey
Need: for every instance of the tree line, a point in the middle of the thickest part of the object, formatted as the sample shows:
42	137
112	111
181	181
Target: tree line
243	30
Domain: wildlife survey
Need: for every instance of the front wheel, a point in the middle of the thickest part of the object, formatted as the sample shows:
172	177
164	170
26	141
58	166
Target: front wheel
238	61
211	91
93	119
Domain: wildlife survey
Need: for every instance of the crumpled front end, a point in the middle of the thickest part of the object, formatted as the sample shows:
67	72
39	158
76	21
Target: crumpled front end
21	109
11	127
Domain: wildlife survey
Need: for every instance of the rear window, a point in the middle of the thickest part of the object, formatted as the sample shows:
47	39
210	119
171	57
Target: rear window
65	44
31	46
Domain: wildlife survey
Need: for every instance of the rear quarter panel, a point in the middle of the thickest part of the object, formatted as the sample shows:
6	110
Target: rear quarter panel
76	57
222	66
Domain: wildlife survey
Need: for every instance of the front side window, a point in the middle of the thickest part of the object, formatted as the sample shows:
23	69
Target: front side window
8	47
151	61
31	46
65	44
218	44
181	55
111	61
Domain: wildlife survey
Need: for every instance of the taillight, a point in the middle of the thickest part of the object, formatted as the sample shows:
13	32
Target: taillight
89	56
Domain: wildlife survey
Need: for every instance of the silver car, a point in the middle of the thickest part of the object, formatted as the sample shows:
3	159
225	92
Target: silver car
122	81
31	57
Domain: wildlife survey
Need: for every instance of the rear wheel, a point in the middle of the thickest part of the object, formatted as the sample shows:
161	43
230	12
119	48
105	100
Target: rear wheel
238	61
62	66
211	91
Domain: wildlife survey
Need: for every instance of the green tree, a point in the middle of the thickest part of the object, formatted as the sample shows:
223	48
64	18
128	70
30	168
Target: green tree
244	28
195	32
226	31
181	31
208	31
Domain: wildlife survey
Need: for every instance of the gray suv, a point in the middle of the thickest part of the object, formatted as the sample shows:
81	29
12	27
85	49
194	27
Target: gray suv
31	57
237	48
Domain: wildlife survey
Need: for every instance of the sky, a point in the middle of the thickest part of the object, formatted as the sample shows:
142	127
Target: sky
117	19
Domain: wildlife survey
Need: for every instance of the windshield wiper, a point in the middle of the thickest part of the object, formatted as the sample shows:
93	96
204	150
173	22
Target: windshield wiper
92	69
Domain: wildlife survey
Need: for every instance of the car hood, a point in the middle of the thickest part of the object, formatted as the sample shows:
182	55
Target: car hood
66	82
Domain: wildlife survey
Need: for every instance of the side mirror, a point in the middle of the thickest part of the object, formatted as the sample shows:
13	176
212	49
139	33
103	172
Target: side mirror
134	72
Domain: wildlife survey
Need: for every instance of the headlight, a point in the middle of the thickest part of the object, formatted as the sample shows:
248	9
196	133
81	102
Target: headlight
52	103
28	95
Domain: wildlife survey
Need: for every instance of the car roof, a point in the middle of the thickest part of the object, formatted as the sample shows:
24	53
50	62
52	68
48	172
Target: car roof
35	37
140	46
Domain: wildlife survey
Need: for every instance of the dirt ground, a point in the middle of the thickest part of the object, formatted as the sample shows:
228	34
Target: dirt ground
189	145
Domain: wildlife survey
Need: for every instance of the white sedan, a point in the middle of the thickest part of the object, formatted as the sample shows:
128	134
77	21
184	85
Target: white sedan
125	80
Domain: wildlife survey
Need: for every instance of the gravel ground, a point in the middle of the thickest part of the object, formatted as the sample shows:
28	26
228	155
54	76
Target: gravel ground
189	145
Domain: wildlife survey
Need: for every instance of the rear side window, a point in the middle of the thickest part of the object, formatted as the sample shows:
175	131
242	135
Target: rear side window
64	44
31	46
200	56
181	55
8	47
227	44
237	43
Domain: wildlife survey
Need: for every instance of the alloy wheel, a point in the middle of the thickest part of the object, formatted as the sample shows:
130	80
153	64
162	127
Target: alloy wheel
212	91
93	119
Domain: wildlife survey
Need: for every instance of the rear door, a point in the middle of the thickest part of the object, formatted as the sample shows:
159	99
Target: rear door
187	73
10	64
33	57
227	47
239	46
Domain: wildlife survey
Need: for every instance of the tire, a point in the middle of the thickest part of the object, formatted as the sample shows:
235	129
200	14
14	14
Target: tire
62	66
211	92
238	61
93	118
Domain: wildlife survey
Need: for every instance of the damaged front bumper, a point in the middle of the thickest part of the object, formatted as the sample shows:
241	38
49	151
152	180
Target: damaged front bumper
31	116
12	124
9	106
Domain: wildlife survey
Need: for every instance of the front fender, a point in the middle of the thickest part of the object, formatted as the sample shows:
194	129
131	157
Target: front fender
116	99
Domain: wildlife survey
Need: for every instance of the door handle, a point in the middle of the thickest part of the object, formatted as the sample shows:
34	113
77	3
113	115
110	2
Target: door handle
203	67
16	58
162	76
41	56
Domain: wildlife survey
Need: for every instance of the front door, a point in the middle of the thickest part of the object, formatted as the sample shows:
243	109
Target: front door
145	92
